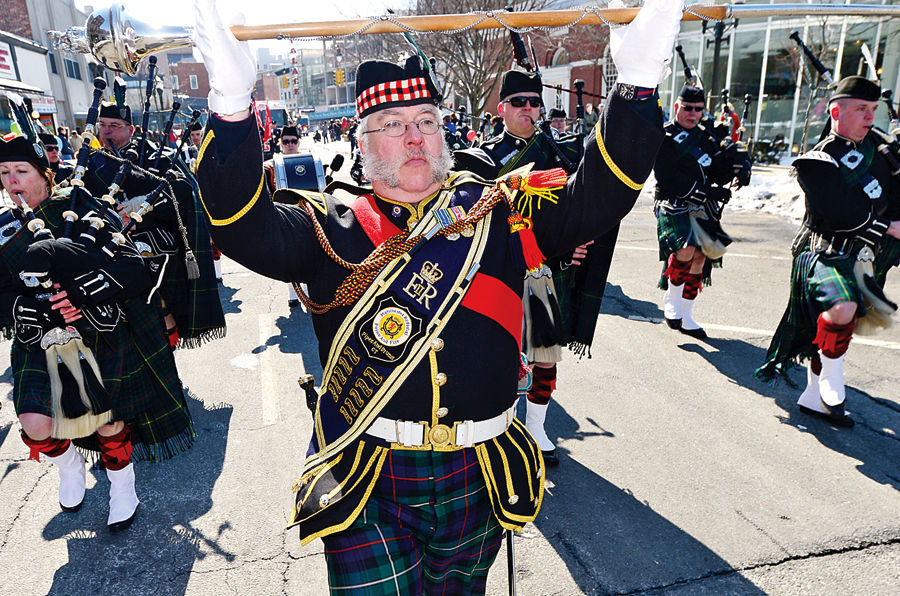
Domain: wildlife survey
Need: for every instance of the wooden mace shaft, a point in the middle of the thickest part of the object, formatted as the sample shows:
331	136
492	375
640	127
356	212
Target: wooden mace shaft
452	22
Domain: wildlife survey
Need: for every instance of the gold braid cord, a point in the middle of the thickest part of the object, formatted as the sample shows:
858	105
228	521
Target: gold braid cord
363	274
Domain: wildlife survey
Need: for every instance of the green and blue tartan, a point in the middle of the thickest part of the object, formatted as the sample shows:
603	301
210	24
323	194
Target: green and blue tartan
135	361
427	528
194	303
817	284
674	233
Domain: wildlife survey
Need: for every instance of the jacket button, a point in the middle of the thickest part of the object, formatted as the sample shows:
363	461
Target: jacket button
437	344
440	379
323	500
513	499
441	412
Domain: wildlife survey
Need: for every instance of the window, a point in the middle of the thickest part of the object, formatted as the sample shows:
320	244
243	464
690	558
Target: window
174	81
52	63
194	84
610	72
73	71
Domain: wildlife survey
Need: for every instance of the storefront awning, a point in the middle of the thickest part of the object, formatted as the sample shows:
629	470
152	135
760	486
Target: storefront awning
20	86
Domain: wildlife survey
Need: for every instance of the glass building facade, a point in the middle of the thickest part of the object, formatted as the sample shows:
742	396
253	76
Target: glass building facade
757	56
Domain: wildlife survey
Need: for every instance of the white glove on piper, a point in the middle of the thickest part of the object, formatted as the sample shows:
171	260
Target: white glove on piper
642	50
231	66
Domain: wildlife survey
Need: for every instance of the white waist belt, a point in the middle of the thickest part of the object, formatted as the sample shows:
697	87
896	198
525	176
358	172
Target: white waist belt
463	434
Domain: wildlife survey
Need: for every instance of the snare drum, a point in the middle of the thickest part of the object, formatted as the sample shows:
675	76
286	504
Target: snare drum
301	171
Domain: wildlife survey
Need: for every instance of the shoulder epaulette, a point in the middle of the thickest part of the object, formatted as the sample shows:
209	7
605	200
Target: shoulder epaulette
315	199
464	177
818	156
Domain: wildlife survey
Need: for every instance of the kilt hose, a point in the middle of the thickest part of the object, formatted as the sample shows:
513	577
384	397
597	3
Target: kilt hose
427	528
817	284
674	233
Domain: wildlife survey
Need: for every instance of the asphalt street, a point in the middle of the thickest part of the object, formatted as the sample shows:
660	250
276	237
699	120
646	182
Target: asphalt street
680	472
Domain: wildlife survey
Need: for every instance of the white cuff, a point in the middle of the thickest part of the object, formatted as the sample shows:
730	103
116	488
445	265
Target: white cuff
228	104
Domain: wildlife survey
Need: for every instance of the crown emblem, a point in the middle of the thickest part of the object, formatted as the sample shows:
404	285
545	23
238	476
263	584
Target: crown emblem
431	272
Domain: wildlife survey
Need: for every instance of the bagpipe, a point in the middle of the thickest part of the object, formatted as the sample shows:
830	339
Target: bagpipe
74	264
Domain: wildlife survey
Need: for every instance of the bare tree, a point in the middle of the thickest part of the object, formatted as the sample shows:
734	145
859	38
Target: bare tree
470	61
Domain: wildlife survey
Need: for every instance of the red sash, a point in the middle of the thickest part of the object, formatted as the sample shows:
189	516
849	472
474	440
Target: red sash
374	223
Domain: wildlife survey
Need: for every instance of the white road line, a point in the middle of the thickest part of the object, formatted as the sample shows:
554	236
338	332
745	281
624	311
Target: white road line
728	254
269	396
888	345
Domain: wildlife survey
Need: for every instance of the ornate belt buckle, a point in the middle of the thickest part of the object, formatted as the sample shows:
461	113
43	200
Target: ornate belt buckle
440	435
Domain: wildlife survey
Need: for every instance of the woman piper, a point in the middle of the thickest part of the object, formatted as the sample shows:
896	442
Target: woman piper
145	416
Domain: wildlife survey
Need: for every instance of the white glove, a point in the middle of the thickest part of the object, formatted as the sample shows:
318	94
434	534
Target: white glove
231	66
642	50
129	206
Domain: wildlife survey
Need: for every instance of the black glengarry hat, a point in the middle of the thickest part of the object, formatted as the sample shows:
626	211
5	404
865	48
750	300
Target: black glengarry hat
196	126
556	113
383	85
692	94
110	109
856	87
48	139
290	131
516	81
19	148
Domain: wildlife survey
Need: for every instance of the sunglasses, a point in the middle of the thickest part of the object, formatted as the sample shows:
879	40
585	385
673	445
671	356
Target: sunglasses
52	148
692	108
289	141
519	102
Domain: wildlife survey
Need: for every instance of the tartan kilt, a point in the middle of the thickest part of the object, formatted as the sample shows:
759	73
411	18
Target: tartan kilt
817	284
427	527
674	233
138	371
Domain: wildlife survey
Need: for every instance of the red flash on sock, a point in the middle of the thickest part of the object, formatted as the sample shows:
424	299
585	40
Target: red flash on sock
677	271
833	340
50	447
692	285
543	384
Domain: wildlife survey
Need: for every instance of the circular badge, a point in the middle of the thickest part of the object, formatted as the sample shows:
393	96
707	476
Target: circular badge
38	150
392	326
300	170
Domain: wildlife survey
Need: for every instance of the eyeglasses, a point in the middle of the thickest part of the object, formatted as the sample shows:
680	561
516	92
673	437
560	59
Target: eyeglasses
285	141
519	102
395	128
692	108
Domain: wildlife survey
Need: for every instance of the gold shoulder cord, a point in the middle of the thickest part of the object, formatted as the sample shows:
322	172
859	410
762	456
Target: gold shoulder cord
612	165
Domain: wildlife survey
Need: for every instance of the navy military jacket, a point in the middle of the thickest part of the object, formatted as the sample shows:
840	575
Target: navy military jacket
849	188
479	357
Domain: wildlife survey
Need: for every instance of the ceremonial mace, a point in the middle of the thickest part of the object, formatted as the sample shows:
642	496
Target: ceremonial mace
121	42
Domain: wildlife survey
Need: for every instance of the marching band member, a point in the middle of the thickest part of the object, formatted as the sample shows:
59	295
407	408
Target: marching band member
415	422
693	174
849	234
148	417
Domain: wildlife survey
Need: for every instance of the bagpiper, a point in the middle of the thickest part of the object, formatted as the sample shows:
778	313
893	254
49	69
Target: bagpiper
89	362
846	244
694	170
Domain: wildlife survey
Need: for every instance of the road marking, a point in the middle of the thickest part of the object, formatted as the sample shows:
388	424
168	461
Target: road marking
729	254
888	345
269	396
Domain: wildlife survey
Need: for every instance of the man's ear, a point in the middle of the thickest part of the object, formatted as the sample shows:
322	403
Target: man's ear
834	111
500	107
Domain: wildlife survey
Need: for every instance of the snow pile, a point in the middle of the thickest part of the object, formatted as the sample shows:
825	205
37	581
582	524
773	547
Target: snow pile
772	190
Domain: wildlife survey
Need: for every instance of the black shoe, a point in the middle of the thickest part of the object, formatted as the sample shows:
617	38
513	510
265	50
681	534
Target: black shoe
219	279
840	419
673	323
71	509
293	303
550	458
123	525
695	333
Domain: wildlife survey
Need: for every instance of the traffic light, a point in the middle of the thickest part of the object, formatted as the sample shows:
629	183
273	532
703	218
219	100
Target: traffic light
339	78
334	77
